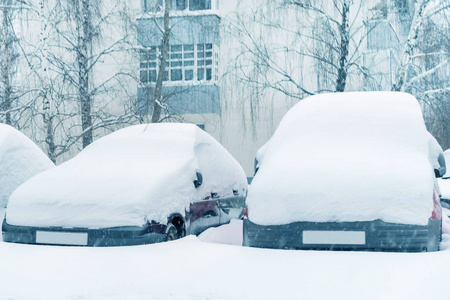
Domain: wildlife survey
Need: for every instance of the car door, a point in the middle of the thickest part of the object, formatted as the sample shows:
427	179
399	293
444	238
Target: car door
204	214
231	207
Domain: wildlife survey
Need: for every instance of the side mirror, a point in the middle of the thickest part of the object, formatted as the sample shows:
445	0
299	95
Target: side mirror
442	167
256	166
198	182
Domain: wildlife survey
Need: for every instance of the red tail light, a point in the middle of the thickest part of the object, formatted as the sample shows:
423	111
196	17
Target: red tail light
437	209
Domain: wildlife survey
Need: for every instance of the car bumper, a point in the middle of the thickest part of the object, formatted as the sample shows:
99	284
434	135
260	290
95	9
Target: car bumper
367	236
115	236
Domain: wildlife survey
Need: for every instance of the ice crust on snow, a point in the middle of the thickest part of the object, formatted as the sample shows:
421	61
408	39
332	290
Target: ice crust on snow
357	156
20	159
134	175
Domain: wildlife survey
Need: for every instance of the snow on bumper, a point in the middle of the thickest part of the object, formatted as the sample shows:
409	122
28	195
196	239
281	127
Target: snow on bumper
369	236
115	236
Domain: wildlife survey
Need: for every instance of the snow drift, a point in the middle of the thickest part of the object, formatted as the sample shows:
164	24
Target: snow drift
134	175
347	157
20	159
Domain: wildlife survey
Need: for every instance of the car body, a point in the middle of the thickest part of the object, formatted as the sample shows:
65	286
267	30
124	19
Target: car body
138	185
348	171
20	159
444	183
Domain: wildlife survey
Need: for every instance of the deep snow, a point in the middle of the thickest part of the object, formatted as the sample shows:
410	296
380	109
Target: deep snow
357	156
134	175
192	269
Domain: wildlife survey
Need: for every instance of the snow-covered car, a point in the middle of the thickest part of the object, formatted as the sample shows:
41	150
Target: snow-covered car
444	183
138	185
20	159
348	171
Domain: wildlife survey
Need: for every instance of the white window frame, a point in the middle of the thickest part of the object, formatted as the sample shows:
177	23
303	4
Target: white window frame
188	58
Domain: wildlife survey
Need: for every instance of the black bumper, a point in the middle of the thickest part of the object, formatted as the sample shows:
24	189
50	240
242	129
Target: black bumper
378	236
114	236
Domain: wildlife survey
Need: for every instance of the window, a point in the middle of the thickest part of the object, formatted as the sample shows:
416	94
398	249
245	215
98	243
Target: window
188	62
148	65
176	63
185	63
380	35
204	62
402	6
180	4
199	4
152	5
193	5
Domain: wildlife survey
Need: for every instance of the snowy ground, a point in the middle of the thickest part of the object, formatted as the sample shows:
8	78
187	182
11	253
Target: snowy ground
193	268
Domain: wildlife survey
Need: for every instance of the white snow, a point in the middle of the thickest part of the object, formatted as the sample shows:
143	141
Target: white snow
356	156
140	173
444	186
189	269
20	159
230	234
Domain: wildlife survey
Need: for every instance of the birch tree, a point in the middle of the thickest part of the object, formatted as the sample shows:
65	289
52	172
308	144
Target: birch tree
429	69
320	42
8	61
337	24
411	44
73	100
165	32
82	45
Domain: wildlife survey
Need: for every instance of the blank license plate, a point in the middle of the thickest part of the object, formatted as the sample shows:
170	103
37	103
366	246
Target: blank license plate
62	238
318	237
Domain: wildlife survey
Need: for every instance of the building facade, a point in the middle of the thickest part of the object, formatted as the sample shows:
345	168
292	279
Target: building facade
190	82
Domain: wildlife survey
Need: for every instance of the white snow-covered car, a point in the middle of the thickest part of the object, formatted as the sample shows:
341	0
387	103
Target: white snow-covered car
138	185
20	159
349	171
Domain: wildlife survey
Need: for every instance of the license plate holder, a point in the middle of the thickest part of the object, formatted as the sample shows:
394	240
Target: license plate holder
62	238
333	237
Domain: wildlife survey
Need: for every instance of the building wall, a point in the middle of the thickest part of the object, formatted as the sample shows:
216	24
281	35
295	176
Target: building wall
192	73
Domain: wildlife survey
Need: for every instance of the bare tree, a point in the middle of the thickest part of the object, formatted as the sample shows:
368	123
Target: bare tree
411	44
337	23
79	48
69	96
156	115
303	33
8	60
427	72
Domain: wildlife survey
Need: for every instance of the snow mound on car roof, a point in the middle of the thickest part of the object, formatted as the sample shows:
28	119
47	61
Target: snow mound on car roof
134	175
20	159
347	157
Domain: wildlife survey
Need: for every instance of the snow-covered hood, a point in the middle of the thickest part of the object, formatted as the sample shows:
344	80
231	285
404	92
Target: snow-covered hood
137	174
20	159
347	157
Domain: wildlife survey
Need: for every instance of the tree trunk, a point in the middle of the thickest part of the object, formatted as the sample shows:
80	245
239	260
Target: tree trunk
411	44
156	116
84	46
343	55
6	103
46	89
